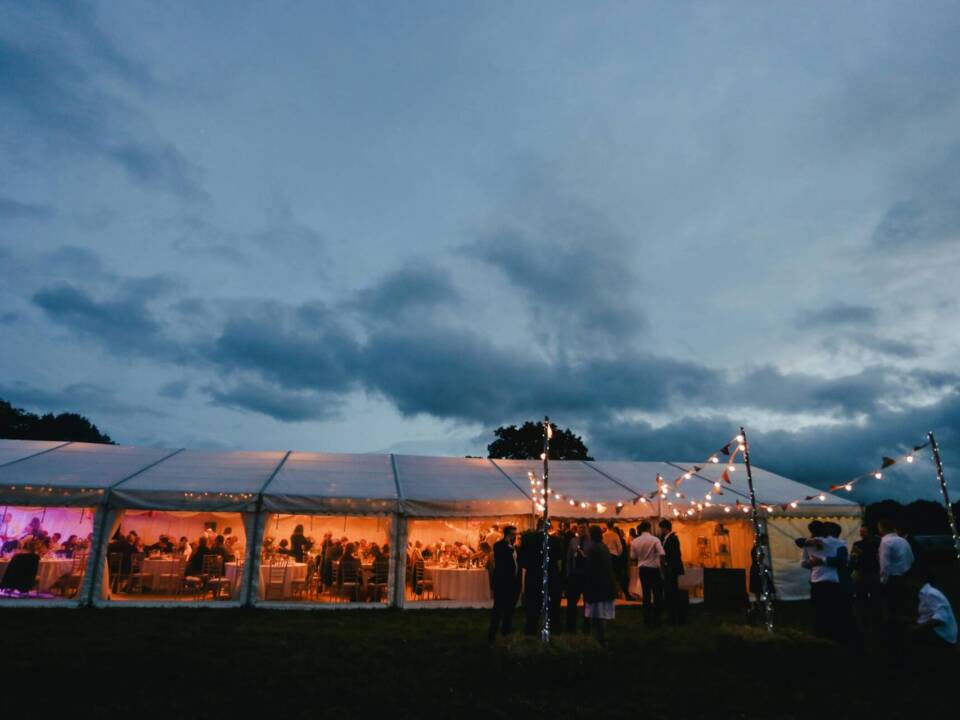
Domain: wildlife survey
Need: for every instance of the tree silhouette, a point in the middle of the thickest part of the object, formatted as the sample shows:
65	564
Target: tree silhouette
17	424
526	443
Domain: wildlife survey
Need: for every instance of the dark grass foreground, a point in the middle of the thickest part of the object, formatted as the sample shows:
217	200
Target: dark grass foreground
135	663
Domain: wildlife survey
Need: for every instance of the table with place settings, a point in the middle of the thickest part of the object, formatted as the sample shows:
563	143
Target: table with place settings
454	583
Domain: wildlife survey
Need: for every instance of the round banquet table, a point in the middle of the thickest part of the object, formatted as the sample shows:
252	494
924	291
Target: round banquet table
50	571
468	585
295	571
155	567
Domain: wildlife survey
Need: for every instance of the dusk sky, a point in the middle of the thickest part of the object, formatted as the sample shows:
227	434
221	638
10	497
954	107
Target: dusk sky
394	226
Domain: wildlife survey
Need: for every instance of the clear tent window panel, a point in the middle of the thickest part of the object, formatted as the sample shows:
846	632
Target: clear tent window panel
174	556
44	551
326	559
448	559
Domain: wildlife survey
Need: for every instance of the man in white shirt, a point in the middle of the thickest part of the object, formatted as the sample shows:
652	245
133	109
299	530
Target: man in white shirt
935	618
647	550
819	555
896	560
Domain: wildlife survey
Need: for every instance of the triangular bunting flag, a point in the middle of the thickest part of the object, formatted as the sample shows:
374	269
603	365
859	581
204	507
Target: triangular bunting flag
697	468
921	447
725	449
676	483
726	476
887	462
620	508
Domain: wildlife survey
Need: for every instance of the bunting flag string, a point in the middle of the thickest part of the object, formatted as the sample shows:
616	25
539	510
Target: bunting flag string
876	474
729	451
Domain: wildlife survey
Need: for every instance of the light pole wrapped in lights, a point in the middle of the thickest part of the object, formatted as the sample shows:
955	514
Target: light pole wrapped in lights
935	449
545	456
762	551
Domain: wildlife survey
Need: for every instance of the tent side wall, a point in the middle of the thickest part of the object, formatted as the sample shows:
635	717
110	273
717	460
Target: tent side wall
792	581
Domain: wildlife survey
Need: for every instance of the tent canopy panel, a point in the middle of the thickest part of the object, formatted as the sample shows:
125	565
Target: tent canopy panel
200	480
457	487
75	474
333	482
575	481
771	489
13	450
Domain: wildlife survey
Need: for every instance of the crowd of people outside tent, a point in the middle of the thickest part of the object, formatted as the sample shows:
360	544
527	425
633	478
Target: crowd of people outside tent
878	587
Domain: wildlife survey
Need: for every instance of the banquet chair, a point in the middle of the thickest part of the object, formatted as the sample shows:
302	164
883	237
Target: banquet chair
348	585
70	582
421	585
298	586
226	583
115	570
276	579
172	582
216	579
136	576
377	587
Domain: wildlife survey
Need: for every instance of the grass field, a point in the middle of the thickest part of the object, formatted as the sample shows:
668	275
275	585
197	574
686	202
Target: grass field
137	663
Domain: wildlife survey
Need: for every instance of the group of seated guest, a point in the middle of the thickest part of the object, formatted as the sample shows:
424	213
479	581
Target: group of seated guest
44	544
456	553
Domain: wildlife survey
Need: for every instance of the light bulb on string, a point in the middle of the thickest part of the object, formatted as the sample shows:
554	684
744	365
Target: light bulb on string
714	459
878	475
726	508
687	476
739	439
731	468
793	504
848	487
909	458
821	497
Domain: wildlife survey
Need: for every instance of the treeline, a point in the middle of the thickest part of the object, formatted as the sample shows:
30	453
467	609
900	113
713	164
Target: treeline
921	517
18	424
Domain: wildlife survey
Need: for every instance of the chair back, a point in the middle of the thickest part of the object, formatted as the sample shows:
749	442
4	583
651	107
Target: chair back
381	571
136	562
277	573
114	563
79	565
349	571
212	565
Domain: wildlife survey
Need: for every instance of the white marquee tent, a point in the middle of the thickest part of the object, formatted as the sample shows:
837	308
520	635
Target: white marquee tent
110	486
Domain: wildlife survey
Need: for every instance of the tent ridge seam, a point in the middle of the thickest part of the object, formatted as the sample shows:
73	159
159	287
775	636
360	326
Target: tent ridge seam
512	482
37	454
401	495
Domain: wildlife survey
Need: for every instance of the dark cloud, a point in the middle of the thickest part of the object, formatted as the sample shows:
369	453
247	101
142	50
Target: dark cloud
837	314
295	347
573	273
50	93
930	214
11	209
123	324
275	402
85	398
819	455
410	289
175	390
886	346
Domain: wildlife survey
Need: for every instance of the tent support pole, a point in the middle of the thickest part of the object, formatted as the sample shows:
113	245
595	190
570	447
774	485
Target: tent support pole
935	449
761	548
253	557
545	591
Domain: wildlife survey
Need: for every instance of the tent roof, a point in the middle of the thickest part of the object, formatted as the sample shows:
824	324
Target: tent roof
435	486
332	482
50	473
67	474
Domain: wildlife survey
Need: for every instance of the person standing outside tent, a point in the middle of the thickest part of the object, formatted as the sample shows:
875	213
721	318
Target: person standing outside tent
506	584
895	560
865	572
824	579
575	575
672	570
646	550
611	538
600	589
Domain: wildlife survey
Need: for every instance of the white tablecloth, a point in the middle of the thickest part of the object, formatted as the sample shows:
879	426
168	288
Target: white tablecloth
692	577
295	571
155	567
468	585
49	572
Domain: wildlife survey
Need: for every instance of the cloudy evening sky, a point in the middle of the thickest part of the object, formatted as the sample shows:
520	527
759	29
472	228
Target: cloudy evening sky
396	226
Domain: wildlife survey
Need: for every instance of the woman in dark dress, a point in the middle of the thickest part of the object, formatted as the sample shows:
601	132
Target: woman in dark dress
299	544
600	589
